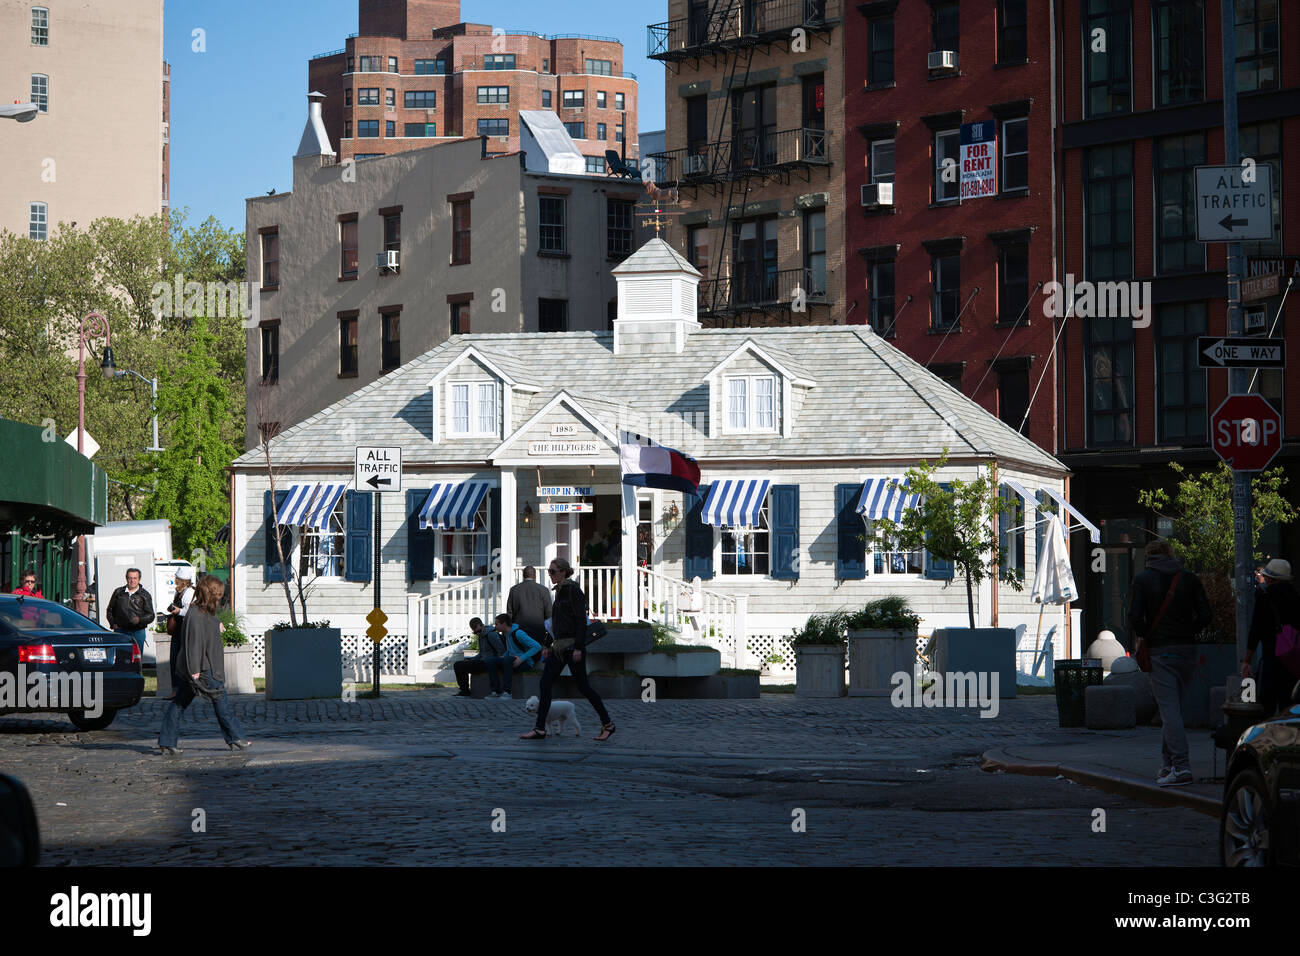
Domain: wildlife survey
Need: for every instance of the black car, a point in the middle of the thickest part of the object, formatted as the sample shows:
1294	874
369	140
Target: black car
90	673
1260	822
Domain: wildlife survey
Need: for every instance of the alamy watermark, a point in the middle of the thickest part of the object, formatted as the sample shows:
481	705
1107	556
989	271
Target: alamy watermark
52	690
190	300
1102	300
953	689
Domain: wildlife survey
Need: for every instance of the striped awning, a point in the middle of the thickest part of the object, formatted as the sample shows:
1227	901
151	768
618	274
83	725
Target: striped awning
735	503
452	505
310	504
880	499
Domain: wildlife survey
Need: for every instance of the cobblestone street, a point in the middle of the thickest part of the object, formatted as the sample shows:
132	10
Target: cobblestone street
418	778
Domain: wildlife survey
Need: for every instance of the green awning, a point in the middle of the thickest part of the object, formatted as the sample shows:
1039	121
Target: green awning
47	483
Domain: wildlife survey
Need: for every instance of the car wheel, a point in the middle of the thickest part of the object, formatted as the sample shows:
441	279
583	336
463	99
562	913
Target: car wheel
82	722
1244	823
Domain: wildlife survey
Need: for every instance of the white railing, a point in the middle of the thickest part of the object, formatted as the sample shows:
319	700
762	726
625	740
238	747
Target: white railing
603	587
440	621
702	616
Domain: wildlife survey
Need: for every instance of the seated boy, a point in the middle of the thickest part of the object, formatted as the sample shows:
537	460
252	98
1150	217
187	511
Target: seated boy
521	653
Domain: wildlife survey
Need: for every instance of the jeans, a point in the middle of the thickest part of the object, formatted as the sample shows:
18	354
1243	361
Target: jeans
467	666
501	670
554	664
185	694
140	637
1172	666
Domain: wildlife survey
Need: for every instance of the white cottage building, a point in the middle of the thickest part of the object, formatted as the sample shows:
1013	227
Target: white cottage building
510	457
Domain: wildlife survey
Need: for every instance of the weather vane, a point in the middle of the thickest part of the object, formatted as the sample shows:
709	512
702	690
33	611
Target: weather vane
658	199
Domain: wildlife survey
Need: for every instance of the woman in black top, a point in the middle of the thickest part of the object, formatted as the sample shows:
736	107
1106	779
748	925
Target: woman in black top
1276	603
569	622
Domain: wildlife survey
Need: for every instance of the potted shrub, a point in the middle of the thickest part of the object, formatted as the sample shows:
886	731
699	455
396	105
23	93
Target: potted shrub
882	643
303	662
238	655
819	656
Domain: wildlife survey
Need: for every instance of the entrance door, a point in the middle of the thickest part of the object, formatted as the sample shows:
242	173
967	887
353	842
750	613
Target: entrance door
560	538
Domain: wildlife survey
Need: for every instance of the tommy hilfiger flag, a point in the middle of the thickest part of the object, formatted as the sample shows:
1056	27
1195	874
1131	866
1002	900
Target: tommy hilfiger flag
649	465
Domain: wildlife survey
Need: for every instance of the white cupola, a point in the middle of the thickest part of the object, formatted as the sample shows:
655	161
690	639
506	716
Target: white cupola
656	301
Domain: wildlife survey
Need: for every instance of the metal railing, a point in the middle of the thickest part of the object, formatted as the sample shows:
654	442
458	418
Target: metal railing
744	154
603	586
440	621
701	616
740	22
746	289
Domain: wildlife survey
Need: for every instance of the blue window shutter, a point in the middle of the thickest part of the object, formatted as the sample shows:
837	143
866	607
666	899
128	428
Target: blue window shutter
420	544
699	541
784	520
271	569
358	554
938	569
851	534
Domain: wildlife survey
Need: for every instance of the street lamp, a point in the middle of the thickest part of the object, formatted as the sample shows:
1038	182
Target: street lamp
93	325
22	112
153	385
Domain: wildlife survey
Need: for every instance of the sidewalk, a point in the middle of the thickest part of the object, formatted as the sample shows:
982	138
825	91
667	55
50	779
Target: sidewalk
1121	761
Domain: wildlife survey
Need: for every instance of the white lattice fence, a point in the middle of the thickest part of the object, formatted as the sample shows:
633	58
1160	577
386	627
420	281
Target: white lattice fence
357	651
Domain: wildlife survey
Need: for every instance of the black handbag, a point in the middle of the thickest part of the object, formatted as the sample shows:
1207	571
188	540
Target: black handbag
207	686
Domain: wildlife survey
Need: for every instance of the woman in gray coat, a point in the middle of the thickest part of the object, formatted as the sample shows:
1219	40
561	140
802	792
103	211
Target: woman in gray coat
200	665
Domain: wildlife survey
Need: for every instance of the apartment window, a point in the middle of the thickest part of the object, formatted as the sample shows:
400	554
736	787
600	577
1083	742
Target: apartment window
347	97
460	318
1256	41
390	99
550	221
271	260
618	101
372	64
1107	66
814	257
599	67
600	132
1180	383
813	100
1262	142
460	229
751	403
697	130
421	129
1012	36
574	99
600	99
552	315
270	352
494	127
349	249
881	161
472	409
322	550
945	26
697	248
499	61
40	26
392	65
546	99
1108	212
38	221
494	94
390	356
1013	392
420	99
41	91
390	128
430	67
466	553
618	223
595	164
352	64
748	550
1179	28
368	129
1109	350
618	133
347	129
886	555
348	359
546	65
1176	247
945	303
947	146
1013	282
754	276
576	130
1015	154
882	297
368	96
393	232
880	62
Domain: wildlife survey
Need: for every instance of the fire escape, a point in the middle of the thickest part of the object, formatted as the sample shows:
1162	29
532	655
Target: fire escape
739	158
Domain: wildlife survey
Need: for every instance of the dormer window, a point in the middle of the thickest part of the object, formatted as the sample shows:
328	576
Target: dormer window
472	410
751	403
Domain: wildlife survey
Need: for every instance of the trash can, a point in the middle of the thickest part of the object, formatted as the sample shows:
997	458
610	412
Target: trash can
1072	677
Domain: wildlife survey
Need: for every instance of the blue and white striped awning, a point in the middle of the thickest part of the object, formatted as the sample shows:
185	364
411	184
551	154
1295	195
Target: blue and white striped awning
735	503
452	505
880	499
310	504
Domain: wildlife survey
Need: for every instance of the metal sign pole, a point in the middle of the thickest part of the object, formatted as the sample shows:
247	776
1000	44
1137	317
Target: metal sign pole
379	511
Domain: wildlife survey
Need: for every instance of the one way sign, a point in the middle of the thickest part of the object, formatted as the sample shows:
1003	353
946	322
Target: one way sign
378	469
1217	352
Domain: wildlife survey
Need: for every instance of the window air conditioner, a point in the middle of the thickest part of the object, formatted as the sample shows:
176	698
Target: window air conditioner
390	259
943	60
878	194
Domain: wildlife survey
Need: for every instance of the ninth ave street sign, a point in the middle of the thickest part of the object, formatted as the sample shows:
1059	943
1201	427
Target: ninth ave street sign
1218	352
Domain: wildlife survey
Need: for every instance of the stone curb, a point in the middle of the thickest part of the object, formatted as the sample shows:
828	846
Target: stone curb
1109	781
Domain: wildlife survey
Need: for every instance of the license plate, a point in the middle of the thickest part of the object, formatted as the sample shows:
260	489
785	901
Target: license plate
97	655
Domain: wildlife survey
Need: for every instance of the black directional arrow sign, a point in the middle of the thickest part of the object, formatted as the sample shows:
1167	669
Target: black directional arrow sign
1227	222
1220	352
375	481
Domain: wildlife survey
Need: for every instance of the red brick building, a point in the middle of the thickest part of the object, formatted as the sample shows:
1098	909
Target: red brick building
950	277
414	74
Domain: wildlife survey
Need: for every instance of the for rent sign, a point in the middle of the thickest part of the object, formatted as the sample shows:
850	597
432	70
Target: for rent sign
979	160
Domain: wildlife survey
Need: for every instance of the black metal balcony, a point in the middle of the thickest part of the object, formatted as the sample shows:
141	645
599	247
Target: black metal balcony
739	23
753	290
745	155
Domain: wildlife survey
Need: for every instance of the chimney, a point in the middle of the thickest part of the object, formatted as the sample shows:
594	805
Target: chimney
315	141
656	301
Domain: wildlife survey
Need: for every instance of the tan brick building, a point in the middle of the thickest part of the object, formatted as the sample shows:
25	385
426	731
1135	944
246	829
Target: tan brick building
415	75
754	113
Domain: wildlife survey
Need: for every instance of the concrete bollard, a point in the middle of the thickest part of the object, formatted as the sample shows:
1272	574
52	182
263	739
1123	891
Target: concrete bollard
1109	707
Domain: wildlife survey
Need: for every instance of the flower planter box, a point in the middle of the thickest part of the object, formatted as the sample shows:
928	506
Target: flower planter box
239	670
819	670
875	656
304	663
990	650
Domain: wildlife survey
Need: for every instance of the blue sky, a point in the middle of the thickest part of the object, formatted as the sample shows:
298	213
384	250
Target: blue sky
238	109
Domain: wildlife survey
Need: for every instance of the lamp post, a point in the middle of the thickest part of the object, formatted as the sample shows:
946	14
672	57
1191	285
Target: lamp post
22	112
153	386
92	326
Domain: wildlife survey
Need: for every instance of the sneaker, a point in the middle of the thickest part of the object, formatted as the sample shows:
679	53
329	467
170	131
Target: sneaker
1175	777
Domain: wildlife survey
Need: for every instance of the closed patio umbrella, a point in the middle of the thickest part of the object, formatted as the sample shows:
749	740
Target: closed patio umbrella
1054	579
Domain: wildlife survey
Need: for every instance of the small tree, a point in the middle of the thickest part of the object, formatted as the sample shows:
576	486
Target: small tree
955	521
267	436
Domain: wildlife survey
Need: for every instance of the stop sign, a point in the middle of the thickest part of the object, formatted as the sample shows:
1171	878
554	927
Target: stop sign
1246	432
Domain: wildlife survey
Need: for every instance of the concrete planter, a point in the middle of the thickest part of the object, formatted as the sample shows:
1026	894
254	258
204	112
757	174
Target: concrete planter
163	644
819	670
875	657
303	664
239	670
987	650
682	664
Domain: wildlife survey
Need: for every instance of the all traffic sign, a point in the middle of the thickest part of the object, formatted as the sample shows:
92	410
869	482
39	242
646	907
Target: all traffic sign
378	469
1234	203
1216	351
1246	432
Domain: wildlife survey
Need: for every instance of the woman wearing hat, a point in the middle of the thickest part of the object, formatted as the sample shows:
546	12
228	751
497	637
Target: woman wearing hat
1276	604
180	604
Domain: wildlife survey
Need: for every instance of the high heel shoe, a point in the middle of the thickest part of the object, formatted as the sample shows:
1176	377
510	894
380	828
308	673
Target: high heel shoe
169	751
241	745
606	731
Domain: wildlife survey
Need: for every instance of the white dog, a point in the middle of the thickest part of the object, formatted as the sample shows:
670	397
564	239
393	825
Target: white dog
560	716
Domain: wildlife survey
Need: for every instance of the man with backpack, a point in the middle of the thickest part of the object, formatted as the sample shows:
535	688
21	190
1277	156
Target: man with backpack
1277	608
1167	608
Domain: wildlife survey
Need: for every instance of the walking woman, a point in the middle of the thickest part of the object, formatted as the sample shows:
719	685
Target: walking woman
201	667
569	624
176	622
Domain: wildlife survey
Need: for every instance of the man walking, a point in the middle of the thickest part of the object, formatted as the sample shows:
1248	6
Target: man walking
1167	607
130	609
529	605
